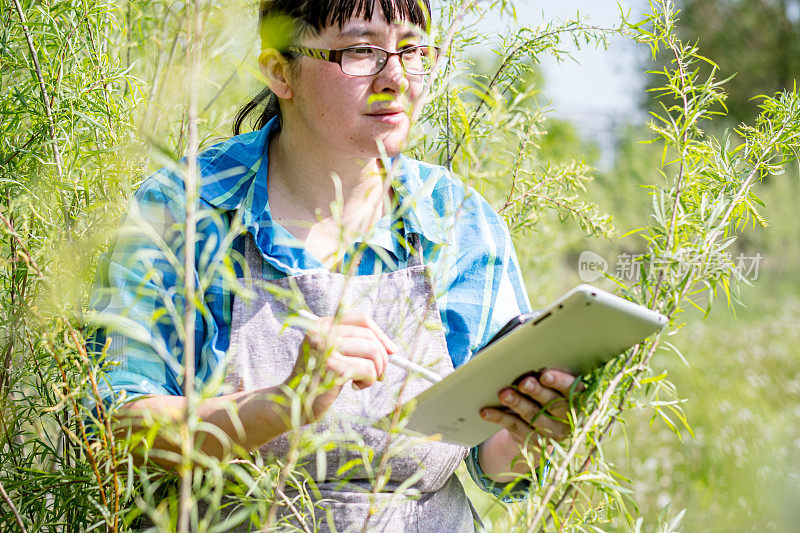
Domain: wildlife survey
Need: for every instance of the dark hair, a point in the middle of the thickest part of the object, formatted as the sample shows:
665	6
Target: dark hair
316	15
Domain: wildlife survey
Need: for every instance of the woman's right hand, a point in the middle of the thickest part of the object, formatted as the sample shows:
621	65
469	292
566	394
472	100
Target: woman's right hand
352	348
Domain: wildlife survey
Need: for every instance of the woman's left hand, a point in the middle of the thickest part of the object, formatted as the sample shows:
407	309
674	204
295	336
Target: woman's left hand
534	406
550	392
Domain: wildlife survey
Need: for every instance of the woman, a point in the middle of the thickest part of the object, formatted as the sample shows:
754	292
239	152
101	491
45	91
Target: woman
434	274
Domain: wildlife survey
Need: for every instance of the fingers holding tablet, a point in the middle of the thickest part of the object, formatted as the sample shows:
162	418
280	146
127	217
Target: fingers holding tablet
539	402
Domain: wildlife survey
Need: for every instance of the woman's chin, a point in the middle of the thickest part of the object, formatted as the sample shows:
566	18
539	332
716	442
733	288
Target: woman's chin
391	143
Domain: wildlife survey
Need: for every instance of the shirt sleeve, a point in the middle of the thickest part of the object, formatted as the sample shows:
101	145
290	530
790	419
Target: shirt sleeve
137	300
483	286
485	292
507	299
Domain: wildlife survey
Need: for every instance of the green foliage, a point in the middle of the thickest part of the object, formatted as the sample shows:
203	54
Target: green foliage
756	41
65	116
92	92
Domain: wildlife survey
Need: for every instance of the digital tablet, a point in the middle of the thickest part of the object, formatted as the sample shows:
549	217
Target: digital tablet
582	329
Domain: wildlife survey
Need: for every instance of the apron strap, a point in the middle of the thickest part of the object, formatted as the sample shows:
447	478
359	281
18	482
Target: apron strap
415	257
252	256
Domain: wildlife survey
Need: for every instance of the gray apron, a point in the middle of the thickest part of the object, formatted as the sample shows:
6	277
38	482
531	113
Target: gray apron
403	304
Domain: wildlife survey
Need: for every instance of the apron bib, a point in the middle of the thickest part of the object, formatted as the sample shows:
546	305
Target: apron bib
403	305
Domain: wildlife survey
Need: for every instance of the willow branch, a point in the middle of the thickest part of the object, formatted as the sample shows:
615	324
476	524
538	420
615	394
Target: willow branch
578	441
672	231
45	98
13	508
194	31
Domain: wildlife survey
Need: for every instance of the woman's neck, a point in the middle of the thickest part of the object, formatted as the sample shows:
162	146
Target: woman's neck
302	186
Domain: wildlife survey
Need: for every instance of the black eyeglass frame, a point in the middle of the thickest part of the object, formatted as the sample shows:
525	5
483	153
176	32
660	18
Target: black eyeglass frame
335	56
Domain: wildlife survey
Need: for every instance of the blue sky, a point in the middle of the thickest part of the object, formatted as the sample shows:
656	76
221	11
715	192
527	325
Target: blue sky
600	88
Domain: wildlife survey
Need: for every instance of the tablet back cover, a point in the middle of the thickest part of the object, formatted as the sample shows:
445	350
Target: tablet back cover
581	330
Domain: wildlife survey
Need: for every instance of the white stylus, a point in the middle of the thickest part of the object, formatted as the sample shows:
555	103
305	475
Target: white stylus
405	364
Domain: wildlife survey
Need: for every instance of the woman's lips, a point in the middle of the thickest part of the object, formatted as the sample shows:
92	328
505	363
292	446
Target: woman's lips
389	117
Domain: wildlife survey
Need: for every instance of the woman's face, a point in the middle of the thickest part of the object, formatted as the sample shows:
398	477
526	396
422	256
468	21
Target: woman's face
354	115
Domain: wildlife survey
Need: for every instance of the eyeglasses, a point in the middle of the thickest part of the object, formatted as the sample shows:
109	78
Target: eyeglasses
367	60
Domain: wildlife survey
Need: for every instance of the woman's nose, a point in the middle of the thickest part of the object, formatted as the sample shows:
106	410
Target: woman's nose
392	77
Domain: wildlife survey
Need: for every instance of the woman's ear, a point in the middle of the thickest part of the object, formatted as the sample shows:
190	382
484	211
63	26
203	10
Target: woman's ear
275	69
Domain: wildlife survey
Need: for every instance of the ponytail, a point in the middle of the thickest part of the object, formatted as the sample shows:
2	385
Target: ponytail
270	110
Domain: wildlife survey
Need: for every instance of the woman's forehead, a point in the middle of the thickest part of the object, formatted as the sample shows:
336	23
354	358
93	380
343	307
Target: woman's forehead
375	28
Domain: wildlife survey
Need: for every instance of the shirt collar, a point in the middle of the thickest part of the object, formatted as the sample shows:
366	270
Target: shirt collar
230	170
234	176
414	186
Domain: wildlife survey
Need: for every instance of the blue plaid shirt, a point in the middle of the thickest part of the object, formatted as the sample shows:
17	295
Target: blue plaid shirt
138	290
